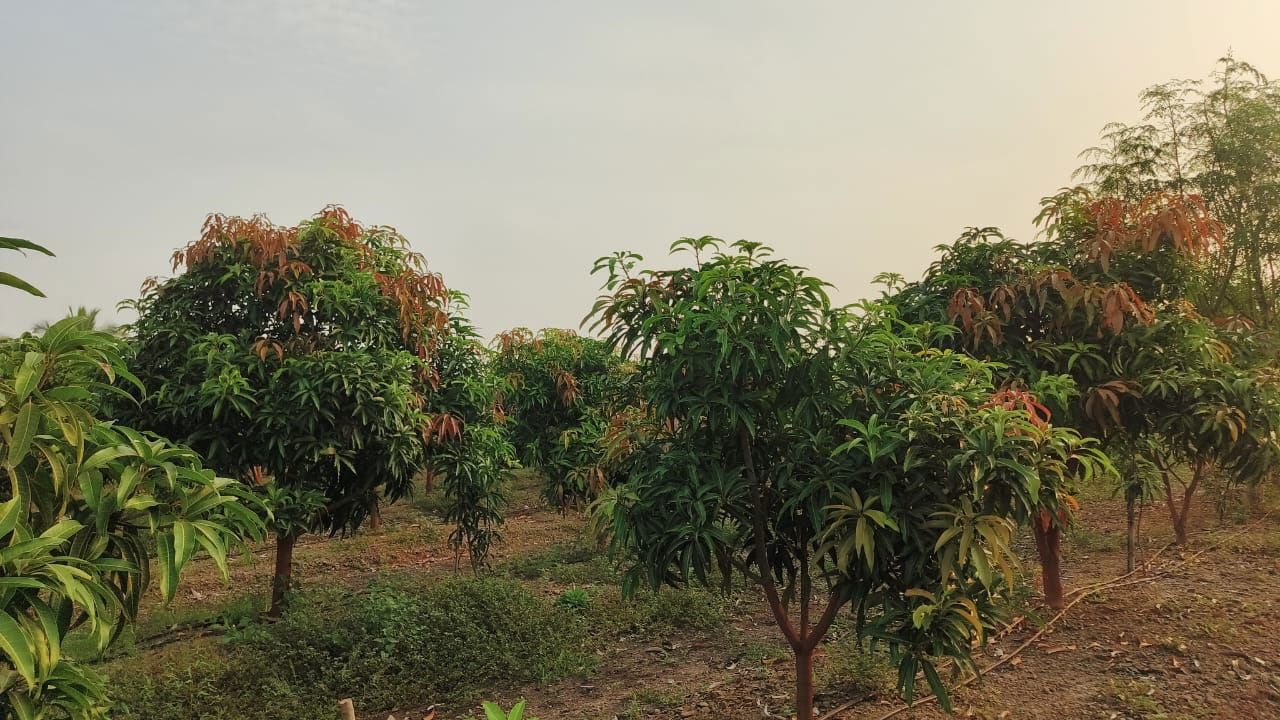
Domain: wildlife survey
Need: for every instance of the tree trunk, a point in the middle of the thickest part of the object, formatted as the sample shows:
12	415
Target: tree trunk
1175	517
803	639
1131	543
1049	546
1180	511
1188	495
804	683
375	516
283	578
1253	497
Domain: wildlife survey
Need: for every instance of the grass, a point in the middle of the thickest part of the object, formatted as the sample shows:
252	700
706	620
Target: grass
1083	538
853	670
1136	699
236	612
756	653
398	643
646	699
406	640
651	613
395	646
575	563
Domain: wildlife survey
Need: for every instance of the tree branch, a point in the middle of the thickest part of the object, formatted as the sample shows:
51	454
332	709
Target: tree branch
761	528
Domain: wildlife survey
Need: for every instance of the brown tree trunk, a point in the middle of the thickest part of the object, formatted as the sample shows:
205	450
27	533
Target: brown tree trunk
1175	517
802	638
1179	511
804	683
375	516
1188	495
283	578
1131	543
1049	546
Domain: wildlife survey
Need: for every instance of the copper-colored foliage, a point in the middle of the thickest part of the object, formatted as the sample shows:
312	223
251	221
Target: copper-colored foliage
1108	305
1011	399
442	428
513	339
1102	402
566	387
264	244
419	295
259	475
150	284
1120	301
1181	220
617	438
966	304
1235	323
263	347
1001	298
337	219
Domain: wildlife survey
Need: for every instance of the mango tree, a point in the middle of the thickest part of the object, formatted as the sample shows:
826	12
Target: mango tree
1207	410
835	459
88	506
562	397
1089	302
323	356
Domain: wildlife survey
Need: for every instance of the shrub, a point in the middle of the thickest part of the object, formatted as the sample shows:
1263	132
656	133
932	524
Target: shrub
394	646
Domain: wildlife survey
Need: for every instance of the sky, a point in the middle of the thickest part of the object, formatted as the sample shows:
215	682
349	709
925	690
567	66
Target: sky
515	142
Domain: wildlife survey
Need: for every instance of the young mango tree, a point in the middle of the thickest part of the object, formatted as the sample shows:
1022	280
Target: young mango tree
1088	303
88	507
837	461
323	356
473	464
1206	410
563	395
1174	388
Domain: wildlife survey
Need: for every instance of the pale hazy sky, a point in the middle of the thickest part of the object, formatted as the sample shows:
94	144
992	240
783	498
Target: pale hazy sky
515	142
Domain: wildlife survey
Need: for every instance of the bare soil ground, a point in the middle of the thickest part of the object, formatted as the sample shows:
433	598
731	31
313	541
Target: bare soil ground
1199	637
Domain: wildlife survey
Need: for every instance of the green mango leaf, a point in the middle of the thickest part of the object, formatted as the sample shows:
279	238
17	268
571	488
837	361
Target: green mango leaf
29	374
16	644
24	431
13	281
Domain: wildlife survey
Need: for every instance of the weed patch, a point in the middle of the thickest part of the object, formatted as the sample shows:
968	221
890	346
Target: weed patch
394	646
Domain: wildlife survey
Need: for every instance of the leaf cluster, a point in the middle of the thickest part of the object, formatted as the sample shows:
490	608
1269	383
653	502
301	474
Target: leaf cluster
88	506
